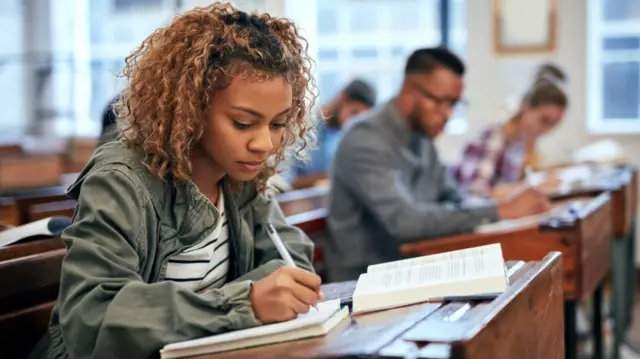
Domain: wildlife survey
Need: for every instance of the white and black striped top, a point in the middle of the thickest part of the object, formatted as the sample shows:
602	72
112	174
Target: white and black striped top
206	264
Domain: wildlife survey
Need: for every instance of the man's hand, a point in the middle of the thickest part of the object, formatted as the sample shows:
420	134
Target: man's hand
525	202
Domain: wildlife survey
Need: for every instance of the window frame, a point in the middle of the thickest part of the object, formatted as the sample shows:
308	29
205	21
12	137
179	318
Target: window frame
345	64
596	57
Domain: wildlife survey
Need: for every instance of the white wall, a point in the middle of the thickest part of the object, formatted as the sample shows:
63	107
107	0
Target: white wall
491	78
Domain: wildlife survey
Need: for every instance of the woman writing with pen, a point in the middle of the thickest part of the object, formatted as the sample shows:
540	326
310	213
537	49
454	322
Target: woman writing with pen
494	164
169	239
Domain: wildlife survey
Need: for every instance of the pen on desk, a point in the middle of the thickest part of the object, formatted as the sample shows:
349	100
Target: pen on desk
284	253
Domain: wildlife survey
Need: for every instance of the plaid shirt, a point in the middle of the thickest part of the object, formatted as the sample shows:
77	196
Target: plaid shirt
489	160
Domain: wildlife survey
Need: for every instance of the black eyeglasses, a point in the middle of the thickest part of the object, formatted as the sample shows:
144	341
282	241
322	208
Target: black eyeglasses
440	101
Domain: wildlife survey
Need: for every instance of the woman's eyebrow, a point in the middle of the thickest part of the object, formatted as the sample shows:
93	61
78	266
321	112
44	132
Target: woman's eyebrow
258	114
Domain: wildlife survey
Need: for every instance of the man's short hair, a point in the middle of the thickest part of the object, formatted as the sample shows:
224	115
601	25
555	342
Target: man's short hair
360	90
426	60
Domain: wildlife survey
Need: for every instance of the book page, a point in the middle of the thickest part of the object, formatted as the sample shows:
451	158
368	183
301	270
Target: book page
449	271
491	249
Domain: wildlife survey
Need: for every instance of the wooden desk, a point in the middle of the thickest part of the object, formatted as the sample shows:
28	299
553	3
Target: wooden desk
304	200
622	184
584	241
524	322
29	171
26	199
11	150
9	211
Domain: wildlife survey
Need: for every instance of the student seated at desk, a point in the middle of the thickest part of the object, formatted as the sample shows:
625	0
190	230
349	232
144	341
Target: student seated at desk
493	164
388	185
357	97
168	242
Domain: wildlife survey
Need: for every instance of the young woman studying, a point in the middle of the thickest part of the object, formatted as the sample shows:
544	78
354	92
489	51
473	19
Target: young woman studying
494	163
168	241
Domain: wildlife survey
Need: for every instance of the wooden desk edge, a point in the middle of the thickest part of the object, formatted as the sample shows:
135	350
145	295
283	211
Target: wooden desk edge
553	259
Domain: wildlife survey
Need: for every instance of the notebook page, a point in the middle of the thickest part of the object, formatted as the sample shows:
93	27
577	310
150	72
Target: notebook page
449	271
494	250
313	317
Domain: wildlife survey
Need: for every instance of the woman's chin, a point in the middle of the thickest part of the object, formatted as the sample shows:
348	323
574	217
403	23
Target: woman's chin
242	176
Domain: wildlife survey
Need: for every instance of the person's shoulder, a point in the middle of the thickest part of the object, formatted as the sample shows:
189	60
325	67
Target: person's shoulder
113	162
364	125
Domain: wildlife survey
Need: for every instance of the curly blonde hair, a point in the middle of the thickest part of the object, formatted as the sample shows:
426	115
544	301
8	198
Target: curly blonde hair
174	73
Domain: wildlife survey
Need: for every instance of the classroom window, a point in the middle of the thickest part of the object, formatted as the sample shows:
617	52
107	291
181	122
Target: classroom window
613	66
371	39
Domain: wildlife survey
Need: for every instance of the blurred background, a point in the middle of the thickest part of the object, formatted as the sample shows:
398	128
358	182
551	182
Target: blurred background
59	59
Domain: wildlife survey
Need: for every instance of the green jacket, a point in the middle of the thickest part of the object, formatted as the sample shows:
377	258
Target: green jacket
113	302
110	134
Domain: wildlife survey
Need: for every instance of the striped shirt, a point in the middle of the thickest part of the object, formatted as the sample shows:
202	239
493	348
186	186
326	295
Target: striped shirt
205	265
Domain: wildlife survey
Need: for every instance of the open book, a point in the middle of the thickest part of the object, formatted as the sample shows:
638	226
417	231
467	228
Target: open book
312	324
477	272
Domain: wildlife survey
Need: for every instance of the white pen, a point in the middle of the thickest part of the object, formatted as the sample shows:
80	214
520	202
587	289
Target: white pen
284	253
277	241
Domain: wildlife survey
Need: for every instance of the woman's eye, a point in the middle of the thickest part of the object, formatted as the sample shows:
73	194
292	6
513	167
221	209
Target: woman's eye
240	125
278	125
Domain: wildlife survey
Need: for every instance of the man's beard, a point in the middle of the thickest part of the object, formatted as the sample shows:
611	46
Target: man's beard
332	120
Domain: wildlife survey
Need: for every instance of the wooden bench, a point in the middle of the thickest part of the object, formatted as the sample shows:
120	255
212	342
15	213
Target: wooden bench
29	290
524	322
584	240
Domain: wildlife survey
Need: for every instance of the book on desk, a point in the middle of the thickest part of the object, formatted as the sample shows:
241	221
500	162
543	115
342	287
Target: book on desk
477	273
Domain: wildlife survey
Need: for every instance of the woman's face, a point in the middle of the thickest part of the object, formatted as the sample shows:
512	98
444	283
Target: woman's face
245	124
537	121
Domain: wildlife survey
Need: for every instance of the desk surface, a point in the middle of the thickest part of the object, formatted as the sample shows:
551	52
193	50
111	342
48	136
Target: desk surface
584	241
524	322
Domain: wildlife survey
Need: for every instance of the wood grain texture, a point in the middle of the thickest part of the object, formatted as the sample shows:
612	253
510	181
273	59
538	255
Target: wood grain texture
528	315
584	242
30	280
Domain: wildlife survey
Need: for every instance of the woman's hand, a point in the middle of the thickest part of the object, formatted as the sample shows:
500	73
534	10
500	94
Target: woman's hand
284	294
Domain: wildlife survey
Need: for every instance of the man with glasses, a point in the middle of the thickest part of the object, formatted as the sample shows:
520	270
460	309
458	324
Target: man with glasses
388	184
